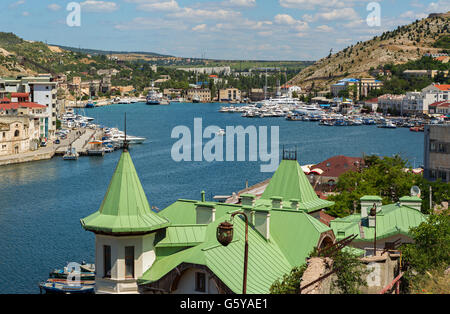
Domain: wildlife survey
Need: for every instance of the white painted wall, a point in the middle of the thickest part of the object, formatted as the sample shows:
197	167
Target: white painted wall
186	284
144	255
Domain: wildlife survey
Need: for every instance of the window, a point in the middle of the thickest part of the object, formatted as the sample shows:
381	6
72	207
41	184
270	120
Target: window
200	279
17	133
129	262
107	261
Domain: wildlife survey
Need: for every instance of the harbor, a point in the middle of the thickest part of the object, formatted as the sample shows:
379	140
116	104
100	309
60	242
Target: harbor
42	202
328	114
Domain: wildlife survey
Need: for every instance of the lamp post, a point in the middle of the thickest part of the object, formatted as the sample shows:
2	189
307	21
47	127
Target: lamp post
225	236
373	213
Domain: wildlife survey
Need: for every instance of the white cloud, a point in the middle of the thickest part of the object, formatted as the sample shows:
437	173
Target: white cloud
54	7
17	3
142	23
286	19
199	28
201	14
99	6
155	5
324	28
240	3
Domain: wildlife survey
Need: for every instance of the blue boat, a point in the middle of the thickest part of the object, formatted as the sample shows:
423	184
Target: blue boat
90	105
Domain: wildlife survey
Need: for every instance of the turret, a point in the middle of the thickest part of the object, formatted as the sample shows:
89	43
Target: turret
125	229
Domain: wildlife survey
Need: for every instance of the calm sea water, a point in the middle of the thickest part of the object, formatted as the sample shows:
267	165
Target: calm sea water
41	203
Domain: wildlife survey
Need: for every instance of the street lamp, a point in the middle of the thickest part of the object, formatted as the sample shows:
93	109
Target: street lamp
373	213
225	236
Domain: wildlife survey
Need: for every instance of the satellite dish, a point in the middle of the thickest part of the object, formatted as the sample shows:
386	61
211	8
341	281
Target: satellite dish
415	191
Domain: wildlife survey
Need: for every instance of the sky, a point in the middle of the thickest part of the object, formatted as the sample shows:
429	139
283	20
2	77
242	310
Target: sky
221	29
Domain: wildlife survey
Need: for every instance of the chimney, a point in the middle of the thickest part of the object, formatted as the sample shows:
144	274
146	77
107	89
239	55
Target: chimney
262	222
411	201
248	210
203	196
205	212
367	203
248	199
277	202
295	204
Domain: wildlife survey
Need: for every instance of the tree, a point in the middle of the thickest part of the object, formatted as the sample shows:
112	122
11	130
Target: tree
290	283
431	245
387	178
350	274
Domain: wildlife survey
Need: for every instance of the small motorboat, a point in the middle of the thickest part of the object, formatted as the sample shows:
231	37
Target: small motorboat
71	154
65	287
221	132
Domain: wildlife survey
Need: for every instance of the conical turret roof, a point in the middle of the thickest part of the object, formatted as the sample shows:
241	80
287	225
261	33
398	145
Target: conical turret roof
290	182
125	208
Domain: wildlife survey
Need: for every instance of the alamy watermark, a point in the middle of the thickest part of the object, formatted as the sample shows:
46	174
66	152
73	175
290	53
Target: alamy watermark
74	17
374	18
233	139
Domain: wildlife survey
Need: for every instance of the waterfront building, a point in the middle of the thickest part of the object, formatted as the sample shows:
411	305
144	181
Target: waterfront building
288	90
362	86
391	102
42	90
18	134
203	94
172	92
230	94
176	250
437	152
440	108
393	222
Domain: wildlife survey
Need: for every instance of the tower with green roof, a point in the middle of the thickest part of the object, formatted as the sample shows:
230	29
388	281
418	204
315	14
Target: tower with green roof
124	229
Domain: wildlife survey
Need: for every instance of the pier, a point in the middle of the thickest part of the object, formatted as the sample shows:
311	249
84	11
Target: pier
79	139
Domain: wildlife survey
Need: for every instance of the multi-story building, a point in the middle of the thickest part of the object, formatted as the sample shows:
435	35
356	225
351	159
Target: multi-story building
362	86
440	108
21	125
172	92
200	94
437	152
42	90
391	102
230	94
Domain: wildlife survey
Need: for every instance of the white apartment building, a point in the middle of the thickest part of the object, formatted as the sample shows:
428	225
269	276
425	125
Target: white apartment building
42	91
415	102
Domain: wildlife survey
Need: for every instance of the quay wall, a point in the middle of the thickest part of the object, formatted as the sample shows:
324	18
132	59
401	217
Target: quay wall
27	158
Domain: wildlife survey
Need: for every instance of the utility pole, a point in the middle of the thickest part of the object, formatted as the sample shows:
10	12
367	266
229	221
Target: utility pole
431	198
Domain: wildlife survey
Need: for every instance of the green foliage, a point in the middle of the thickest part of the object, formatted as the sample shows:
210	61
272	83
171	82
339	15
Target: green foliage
290	283
443	42
351	273
431	245
386	178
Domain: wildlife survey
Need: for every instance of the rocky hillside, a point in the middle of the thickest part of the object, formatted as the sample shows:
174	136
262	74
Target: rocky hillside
404	44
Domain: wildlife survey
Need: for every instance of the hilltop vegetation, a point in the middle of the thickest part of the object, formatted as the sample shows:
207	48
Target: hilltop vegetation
399	82
406	43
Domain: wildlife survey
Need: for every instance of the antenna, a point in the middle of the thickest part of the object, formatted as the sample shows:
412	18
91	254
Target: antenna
125	142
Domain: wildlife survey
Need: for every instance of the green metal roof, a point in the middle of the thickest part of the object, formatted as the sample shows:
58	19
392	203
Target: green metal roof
183	236
410	199
293	235
266	262
290	182
392	219
125	208
371	198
